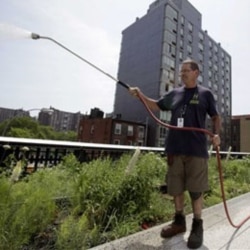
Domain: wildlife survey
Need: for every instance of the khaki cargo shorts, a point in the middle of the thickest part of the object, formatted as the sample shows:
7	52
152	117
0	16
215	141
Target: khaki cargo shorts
186	173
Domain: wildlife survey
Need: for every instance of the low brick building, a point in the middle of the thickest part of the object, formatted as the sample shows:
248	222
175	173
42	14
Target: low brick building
240	133
96	129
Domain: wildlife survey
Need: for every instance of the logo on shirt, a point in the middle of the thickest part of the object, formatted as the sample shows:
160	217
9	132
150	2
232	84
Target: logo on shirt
195	99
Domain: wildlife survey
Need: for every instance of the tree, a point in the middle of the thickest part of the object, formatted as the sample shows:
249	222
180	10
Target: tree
28	127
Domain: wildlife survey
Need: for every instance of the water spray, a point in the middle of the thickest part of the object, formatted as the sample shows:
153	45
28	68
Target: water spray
8	31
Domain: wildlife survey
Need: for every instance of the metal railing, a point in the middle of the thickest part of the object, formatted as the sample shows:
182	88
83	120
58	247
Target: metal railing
45	153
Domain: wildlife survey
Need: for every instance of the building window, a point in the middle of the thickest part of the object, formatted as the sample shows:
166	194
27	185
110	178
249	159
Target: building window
169	49
215	86
169	37
140	132
165	116
189	49
118	129
167	76
201	36
92	129
181	44
215	49
171	13
168	62
200	67
117	142
200	79
190	27
170	25
209	84
168	87
182	20
163	132
130	130
181	31
201	47
210	64
200	57
181	55
190	38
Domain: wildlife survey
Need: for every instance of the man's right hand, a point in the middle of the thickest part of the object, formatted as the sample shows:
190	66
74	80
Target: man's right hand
134	91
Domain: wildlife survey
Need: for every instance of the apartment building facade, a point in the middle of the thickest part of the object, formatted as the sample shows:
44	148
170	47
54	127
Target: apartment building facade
60	120
152	50
7	113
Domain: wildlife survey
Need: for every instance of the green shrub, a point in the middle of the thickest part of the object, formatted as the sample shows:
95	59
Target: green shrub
25	213
80	205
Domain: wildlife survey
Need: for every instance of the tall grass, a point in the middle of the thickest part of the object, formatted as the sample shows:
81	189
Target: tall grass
78	206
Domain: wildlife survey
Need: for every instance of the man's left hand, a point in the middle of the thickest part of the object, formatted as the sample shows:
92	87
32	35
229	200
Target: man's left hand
216	140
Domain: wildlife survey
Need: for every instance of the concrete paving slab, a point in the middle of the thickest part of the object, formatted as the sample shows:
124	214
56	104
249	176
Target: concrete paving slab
219	234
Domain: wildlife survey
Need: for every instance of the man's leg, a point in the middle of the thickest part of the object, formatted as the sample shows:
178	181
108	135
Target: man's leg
179	223
197	182
179	203
197	204
195	238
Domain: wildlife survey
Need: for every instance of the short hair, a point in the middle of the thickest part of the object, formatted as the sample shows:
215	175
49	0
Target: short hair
193	64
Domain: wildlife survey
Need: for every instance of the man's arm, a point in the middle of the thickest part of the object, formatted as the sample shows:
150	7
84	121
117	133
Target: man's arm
151	103
216	124
216	128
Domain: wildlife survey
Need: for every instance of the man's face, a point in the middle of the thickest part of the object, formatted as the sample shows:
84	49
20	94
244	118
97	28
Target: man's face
188	76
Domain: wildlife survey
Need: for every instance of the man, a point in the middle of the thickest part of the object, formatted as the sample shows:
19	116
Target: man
187	152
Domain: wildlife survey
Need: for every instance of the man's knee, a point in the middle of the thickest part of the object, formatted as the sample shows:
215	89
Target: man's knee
195	195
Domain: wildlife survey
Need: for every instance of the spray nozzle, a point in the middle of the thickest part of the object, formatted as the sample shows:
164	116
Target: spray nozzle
35	36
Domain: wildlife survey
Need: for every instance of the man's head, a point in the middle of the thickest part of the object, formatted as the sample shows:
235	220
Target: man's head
189	73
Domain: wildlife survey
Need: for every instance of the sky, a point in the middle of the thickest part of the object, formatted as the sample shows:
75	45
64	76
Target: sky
37	74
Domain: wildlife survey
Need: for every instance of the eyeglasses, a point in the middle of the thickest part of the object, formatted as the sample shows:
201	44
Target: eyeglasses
186	71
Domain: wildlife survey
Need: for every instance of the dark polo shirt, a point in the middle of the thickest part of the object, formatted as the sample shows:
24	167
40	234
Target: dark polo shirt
193	105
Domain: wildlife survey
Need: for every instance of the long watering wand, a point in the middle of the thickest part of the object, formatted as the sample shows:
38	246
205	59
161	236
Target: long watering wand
127	86
36	36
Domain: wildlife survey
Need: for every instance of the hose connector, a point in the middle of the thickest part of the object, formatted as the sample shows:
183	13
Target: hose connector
35	36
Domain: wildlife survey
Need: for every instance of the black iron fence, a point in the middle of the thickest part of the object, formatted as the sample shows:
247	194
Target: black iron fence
45	153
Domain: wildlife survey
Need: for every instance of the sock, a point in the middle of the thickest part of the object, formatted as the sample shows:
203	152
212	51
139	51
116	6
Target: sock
197	216
179	212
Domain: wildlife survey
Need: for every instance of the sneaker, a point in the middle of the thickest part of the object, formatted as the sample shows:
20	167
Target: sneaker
178	226
195	238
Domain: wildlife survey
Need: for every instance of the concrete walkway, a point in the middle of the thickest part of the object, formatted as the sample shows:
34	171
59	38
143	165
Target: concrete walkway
218	232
